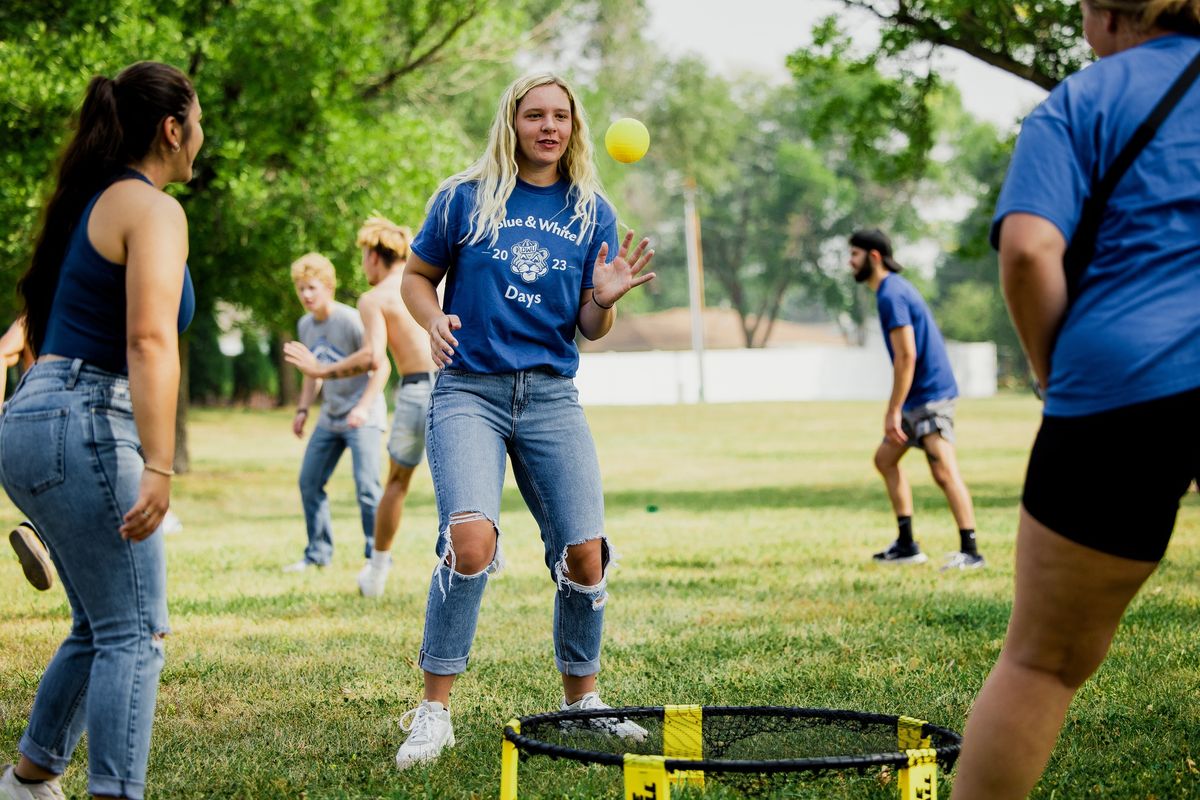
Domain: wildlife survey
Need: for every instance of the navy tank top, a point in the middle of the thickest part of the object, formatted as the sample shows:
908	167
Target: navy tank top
87	317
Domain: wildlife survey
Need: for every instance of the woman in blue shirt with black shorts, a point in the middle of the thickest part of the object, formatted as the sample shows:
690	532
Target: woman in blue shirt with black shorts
1119	443
523	239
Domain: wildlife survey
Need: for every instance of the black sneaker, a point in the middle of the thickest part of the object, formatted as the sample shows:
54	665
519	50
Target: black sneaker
899	553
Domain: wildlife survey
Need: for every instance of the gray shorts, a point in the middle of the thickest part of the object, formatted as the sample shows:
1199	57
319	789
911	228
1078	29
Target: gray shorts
935	417
406	444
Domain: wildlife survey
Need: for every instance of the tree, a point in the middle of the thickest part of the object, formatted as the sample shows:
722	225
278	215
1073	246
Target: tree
316	114
1038	41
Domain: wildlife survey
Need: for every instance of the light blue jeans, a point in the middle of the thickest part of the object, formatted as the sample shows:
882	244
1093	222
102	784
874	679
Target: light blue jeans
70	459
535	417
325	448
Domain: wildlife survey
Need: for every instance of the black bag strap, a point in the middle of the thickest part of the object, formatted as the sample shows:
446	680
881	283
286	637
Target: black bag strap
1083	243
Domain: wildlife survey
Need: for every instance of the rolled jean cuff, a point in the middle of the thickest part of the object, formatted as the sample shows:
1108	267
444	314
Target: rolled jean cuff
46	759
577	669
108	786
442	666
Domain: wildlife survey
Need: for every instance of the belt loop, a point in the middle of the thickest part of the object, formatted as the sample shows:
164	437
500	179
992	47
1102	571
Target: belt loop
73	375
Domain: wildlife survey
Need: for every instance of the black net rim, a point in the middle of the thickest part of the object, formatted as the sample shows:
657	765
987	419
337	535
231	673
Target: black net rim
946	741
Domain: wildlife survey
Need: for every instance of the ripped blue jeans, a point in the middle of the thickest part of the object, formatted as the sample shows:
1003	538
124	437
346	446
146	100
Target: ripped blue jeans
70	459
535	418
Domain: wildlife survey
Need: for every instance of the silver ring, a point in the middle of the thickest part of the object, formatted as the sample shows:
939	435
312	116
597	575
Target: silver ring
146	513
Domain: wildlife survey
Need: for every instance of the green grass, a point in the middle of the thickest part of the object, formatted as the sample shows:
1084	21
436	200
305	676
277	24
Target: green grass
750	585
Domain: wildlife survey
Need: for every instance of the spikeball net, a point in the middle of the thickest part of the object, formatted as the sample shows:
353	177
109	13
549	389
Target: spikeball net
743	747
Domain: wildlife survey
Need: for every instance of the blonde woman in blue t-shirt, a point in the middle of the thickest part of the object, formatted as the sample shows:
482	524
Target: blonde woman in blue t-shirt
523	238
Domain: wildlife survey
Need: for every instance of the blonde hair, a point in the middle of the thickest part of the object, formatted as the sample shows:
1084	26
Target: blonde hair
1173	15
314	266
386	238
496	170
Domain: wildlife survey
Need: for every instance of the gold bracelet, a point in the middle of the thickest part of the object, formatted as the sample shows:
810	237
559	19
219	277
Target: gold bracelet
167	472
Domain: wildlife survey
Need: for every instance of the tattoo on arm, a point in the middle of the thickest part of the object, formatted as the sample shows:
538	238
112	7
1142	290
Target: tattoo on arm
348	372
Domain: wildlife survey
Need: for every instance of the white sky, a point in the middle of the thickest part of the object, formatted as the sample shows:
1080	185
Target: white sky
757	35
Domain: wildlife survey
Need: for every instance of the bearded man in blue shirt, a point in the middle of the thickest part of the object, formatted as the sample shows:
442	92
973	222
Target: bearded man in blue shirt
920	411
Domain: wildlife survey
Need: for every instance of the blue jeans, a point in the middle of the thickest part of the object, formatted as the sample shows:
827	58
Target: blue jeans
70	459
535	417
324	449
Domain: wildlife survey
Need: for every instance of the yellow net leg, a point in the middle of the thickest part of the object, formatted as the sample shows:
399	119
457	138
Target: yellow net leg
918	781
509	760
646	778
683	738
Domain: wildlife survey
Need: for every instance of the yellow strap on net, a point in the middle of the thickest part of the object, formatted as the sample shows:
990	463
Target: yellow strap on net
646	778
683	737
908	734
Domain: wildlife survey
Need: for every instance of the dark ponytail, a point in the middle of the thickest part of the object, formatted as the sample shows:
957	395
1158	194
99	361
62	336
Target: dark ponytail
117	125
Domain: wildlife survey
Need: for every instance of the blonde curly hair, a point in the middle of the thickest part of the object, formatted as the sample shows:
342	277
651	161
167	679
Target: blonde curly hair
314	266
389	240
496	170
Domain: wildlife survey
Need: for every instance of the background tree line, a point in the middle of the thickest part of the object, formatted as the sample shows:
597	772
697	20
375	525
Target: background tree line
319	113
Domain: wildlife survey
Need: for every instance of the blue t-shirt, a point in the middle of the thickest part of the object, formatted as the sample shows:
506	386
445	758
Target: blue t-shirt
518	299
1133	333
900	304
87	315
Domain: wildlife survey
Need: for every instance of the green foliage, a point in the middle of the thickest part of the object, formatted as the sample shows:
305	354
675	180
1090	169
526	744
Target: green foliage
1039	40
210	373
316	115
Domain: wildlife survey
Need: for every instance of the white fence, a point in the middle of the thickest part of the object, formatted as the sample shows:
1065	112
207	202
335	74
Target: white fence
806	372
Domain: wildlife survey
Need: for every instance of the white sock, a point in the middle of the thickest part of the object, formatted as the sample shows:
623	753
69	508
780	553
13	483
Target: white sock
381	559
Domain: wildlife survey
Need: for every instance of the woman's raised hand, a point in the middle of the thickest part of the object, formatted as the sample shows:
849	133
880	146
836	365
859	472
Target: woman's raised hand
611	280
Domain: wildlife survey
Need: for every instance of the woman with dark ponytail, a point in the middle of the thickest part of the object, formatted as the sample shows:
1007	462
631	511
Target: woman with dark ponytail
88	440
1114	340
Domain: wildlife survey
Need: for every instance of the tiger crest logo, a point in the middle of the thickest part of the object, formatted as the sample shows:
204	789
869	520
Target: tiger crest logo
529	260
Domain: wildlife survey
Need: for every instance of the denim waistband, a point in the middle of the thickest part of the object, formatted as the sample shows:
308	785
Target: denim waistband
72	372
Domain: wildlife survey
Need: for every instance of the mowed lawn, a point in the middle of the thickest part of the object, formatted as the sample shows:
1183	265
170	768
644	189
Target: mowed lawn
744	534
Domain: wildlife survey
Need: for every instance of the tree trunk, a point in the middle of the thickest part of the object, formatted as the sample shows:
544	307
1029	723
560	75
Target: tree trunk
289	386
183	461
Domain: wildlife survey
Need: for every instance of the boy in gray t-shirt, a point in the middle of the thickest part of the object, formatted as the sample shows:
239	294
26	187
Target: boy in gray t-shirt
353	413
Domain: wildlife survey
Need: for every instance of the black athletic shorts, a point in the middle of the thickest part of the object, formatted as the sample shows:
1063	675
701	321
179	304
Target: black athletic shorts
1113	481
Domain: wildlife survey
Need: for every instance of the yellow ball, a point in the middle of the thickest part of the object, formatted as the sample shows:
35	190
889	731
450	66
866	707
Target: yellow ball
627	140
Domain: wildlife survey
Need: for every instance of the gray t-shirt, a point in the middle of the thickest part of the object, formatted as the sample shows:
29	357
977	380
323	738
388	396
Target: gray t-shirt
330	341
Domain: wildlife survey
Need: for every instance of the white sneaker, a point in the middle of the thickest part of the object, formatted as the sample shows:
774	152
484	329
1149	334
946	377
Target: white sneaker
171	523
610	726
13	789
372	579
300	566
429	731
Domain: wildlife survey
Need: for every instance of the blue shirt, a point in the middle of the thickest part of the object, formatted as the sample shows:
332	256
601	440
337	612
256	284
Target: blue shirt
1133	334
900	304
87	316
517	299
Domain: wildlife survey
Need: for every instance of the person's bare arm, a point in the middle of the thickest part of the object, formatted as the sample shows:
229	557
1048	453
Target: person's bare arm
1034	285
308	393
904	367
375	344
419	290
612	280
371	356
157	248
12	343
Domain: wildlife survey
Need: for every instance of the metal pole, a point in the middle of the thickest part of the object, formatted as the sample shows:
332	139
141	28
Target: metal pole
691	222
